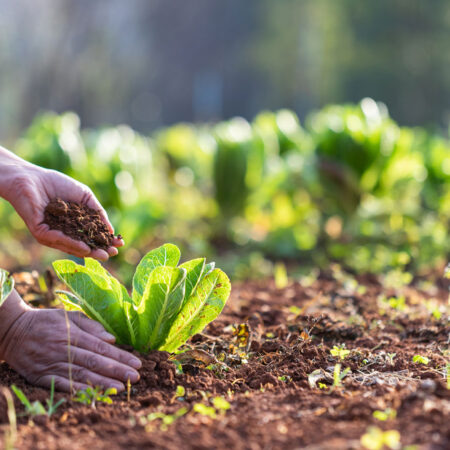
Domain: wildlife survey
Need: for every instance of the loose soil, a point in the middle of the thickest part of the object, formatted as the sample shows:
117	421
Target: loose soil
79	222
259	356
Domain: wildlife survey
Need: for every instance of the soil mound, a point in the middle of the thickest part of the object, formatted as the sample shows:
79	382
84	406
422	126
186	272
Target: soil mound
78	222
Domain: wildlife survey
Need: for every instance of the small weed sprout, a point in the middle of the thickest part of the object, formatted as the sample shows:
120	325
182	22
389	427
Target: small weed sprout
338	376
11	432
376	439
92	395
340	351
285	378
166	419
204	410
387	414
180	393
37	408
221	404
419	359
390	357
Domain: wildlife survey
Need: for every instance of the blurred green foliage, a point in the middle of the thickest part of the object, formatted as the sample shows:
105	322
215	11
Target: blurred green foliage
349	186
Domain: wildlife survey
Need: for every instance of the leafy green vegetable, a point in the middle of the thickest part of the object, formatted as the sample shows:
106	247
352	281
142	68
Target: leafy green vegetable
168	305
6	285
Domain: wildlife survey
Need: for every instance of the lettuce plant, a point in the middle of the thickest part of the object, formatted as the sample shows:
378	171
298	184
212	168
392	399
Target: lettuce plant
168	303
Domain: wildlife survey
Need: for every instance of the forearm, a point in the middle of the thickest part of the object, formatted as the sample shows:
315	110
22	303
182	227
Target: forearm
12	308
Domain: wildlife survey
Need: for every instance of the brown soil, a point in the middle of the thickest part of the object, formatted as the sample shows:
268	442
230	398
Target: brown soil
78	222
259	355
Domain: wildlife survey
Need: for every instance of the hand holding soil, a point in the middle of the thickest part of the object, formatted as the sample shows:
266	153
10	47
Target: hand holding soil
30	189
35	342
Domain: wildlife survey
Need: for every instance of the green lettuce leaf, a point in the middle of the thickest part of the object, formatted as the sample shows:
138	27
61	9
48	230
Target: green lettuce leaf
161	301
101	295
166	255
201	308
6	285
70	301
194	271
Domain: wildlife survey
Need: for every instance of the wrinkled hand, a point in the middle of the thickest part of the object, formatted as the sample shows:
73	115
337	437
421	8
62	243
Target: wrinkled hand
30	191
37	346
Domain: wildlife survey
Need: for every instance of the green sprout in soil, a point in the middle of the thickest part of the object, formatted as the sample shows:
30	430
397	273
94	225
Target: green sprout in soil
10	435
180	393
92	395
37	408
204	410
168	305
390	357
376	439
338	376
387	414
166	419
340	351
419	359
220	406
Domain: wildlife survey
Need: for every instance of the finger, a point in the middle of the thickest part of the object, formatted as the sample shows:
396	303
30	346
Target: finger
57	239
80	376
95	345
91	326
101	365
61	383
99	254
83	375
112	251
118	242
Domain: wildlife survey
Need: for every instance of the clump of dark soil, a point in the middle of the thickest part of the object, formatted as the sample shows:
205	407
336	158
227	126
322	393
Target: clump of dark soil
272	356
79	222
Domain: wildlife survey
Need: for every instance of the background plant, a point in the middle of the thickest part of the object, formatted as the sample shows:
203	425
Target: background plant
348	185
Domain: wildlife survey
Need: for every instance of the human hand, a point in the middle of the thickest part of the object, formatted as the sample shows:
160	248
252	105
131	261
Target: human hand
30	190
37	346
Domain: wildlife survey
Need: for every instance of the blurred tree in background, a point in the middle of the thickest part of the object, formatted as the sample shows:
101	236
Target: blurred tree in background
153	63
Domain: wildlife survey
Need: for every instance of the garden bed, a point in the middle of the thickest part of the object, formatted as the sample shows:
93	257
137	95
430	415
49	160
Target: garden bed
268	359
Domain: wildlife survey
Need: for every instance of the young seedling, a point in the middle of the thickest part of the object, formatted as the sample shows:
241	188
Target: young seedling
340	351
204	410
180	393
419	359
387	414
166	419
92	395
376	439
338	376
221	404
390	357
168	305
36	408
11	432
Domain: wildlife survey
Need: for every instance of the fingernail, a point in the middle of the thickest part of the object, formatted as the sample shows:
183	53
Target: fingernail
135	363
132	376
108	337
